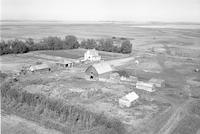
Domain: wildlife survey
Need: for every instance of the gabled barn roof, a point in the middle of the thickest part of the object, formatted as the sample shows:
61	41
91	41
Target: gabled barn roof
102	67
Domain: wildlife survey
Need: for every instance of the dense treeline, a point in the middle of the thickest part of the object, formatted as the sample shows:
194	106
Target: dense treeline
56	43
107	45
49	43
55	113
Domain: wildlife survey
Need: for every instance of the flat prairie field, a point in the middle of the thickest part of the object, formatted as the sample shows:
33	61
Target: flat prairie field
140	34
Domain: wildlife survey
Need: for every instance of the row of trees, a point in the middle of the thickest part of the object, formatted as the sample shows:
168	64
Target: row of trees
107	45
49	43
56	43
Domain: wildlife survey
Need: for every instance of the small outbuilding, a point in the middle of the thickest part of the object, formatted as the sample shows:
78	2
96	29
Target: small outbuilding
128	100
65	64
40	67
147	86
92	55
99	70
157	82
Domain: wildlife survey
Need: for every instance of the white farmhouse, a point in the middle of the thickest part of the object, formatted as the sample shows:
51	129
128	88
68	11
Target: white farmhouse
92	55
127	100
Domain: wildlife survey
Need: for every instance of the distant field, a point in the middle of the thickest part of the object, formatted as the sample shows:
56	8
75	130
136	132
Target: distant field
140	34
78	53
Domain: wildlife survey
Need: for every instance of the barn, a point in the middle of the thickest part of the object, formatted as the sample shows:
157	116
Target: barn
99	70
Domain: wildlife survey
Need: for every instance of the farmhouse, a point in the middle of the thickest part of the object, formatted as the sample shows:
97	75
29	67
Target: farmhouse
41	67
157	82
66	64
127	100
145	86
99	70
92	55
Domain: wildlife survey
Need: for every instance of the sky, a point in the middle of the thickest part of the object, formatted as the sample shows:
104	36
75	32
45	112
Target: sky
102	10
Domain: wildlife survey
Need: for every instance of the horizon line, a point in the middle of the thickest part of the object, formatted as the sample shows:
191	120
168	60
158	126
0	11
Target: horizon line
111	21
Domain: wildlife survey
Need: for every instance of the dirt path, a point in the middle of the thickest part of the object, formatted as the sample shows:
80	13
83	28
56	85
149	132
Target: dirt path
173	121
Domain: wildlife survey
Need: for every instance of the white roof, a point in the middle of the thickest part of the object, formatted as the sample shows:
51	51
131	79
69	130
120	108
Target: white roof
153	80
146	84
92	52
131	96
38	67
64	62
102	67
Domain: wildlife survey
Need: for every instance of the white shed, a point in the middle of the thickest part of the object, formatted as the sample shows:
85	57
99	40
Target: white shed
145	86
157	82
65	63
127	100
39	67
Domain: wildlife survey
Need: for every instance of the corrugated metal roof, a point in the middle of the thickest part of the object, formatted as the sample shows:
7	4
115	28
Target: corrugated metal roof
154	80
39	67
64	62
131	96
102	67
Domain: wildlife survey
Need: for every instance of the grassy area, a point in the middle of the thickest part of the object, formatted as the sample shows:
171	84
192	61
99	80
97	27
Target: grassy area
78	53
188	125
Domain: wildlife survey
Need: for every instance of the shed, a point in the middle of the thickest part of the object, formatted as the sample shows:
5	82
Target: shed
157	82
40	67
65	63
145	86
127	100
98	70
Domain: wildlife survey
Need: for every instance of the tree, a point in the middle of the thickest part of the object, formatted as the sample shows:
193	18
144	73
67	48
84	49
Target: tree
88	44
108	45
52	43
71	42
126	47
18	46
30	42
4	48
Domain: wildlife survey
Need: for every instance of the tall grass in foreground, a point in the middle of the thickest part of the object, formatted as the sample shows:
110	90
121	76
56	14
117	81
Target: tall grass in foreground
54	113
